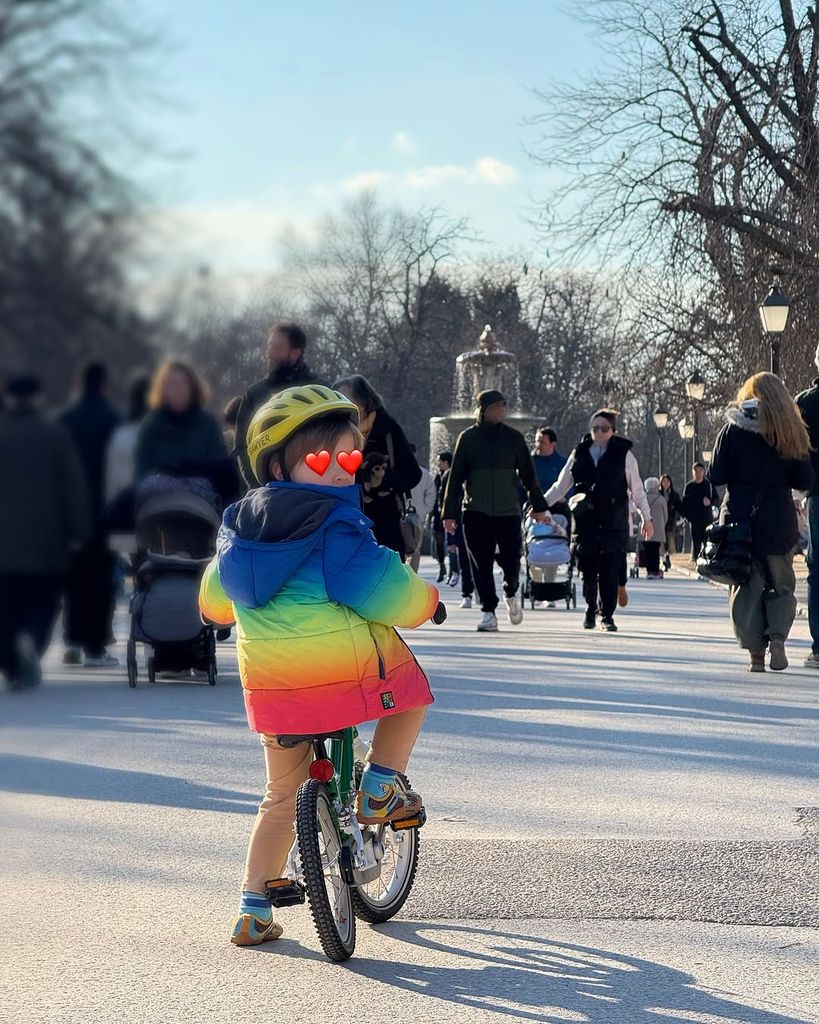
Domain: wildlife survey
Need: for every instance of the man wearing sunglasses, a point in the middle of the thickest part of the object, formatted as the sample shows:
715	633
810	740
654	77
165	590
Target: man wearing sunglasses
604	472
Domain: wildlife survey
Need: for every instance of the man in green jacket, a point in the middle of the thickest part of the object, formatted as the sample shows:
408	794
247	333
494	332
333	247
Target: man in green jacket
490	462
44	516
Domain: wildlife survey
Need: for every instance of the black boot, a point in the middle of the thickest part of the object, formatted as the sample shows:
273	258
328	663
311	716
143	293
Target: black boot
607	623
441	574
589	622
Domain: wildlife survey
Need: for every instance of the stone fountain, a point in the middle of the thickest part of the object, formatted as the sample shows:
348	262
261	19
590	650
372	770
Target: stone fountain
487	366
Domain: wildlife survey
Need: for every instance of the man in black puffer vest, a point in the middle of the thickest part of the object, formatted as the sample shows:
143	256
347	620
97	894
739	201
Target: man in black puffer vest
286	343
603	468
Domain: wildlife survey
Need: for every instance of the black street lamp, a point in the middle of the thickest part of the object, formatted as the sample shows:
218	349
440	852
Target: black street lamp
695	388
660	422
773	312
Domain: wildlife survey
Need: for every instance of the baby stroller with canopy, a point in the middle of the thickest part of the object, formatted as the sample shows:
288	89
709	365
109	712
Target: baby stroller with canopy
549	563
176	524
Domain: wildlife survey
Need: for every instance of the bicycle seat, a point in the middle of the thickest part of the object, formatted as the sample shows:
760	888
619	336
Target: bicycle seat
294	741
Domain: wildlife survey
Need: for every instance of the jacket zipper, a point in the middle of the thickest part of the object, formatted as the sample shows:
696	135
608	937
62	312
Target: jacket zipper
382	673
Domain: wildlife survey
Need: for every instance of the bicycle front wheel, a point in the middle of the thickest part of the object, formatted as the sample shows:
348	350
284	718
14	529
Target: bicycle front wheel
320	851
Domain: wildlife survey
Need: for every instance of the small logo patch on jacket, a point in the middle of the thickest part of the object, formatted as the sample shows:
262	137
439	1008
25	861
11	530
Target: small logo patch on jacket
387	700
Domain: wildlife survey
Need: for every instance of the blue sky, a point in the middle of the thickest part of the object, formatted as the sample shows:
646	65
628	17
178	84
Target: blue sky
282	112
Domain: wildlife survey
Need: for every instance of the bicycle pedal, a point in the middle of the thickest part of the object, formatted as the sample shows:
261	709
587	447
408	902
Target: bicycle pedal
416	821
284	892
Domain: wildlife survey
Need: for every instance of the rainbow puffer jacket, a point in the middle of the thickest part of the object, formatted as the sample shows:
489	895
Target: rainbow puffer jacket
315	600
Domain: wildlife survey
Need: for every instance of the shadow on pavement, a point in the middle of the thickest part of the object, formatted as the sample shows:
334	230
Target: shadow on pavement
530	978
42	776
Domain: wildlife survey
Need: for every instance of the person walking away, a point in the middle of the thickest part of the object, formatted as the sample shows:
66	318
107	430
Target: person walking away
760	455
699	501
316	601
603	469
808	403
383	433
286	345
44	517
674	504
658	506
436	518
88	612
549	463
490	462
423	500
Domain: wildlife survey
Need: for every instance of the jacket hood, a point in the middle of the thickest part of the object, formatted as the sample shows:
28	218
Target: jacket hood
740	418
269	534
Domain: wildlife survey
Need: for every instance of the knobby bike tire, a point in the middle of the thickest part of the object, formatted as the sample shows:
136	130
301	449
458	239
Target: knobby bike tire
310	796
377	913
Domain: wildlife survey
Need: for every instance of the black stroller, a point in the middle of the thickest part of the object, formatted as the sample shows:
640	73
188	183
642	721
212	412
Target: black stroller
176	525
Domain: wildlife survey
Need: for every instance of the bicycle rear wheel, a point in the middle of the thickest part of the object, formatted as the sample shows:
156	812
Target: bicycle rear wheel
320	851
379	900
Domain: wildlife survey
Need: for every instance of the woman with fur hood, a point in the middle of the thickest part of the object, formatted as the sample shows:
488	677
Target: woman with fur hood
760	455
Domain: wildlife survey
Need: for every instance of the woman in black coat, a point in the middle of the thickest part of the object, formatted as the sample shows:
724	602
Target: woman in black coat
761	454
675	510
383	435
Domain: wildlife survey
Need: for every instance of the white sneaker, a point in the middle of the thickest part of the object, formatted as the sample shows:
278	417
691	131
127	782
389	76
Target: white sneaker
105	660
454	579
488	623
466	602
514	609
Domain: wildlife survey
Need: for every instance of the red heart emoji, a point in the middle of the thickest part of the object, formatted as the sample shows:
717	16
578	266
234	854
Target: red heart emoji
318	462
350	461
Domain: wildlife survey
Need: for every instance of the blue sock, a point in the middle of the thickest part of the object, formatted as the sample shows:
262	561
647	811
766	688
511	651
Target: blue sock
256	903
380	772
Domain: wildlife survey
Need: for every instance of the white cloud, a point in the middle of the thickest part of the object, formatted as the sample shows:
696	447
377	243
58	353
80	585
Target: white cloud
403	143
365	181
485	171
494	172
431	177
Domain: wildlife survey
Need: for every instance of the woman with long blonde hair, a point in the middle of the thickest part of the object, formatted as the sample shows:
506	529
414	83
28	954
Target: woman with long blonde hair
760	455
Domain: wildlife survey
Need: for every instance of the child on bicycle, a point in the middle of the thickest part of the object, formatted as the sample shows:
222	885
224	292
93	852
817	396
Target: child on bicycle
315	600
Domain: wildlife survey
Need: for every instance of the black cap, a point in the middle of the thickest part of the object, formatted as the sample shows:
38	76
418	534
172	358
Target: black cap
487	398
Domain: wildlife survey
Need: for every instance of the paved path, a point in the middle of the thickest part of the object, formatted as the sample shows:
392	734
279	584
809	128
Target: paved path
622	829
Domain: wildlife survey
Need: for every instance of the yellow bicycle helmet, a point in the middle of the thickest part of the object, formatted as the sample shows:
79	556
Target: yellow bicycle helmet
282	415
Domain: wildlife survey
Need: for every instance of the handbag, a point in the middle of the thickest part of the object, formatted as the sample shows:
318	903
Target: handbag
409	520
727	555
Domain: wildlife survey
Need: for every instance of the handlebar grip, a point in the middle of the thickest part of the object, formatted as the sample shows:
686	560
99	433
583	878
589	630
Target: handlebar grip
439	615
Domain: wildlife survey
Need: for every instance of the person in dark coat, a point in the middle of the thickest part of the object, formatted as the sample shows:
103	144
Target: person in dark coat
384	435
603	467
90	595
178	435
674	503
760	455
44	517
436	518
808	402
699	502
490	463
286	343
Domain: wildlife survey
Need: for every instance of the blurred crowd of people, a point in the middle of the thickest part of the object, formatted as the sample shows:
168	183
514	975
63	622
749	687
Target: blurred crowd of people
71	480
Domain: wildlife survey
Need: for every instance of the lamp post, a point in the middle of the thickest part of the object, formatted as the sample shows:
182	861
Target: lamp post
695	389
660	422
706	455
773	312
